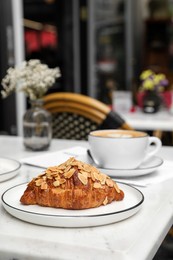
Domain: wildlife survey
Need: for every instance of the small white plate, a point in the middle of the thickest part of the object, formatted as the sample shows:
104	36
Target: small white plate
145	168
114	212
8	168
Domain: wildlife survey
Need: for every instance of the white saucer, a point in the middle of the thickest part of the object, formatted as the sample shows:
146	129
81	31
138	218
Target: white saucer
8	168
145	168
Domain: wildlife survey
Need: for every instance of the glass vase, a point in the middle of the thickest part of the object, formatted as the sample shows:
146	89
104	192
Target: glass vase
37	127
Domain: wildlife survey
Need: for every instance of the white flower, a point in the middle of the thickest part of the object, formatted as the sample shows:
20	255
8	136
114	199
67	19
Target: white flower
32	77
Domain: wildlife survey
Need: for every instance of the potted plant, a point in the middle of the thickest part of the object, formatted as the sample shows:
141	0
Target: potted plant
34	79
152	85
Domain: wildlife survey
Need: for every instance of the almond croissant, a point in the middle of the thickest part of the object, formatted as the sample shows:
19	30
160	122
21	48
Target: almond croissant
72	185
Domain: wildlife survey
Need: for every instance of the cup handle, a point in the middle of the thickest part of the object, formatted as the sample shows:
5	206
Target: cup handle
158	145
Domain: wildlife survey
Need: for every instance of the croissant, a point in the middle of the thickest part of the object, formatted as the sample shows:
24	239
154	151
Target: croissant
72	185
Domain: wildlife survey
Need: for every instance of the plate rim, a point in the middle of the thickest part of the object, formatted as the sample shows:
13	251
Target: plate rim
74	216
13	160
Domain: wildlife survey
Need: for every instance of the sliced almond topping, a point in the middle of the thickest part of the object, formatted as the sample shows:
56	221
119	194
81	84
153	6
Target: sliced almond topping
92	176
61	167
44	186
59	171
102	178
97	185
80	166
57	177
52	169
38	182
69	173
116	187
96	175
61	181
87	168
48	171
49	176
68	168
105	201
109	182
85	174
76	163
82	178
56	183
69	161
89	174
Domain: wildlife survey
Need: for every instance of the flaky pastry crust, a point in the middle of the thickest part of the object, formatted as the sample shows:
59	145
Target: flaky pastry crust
72	185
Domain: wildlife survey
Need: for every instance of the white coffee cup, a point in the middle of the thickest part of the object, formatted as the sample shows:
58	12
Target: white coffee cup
122	149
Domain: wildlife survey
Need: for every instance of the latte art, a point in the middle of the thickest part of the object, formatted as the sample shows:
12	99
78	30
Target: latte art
118	134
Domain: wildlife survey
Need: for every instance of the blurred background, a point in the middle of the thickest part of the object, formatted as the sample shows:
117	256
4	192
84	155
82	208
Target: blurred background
99	45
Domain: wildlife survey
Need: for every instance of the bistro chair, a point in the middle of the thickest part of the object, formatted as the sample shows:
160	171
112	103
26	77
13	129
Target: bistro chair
75	115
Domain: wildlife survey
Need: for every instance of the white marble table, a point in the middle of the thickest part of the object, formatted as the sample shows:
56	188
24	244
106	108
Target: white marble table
138	237
162	120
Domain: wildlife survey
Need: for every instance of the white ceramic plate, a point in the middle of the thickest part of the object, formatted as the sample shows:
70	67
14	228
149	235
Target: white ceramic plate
8	168
145	168
114	212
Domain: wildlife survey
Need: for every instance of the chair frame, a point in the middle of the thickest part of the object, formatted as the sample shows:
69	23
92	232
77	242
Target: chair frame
80	104
76	103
